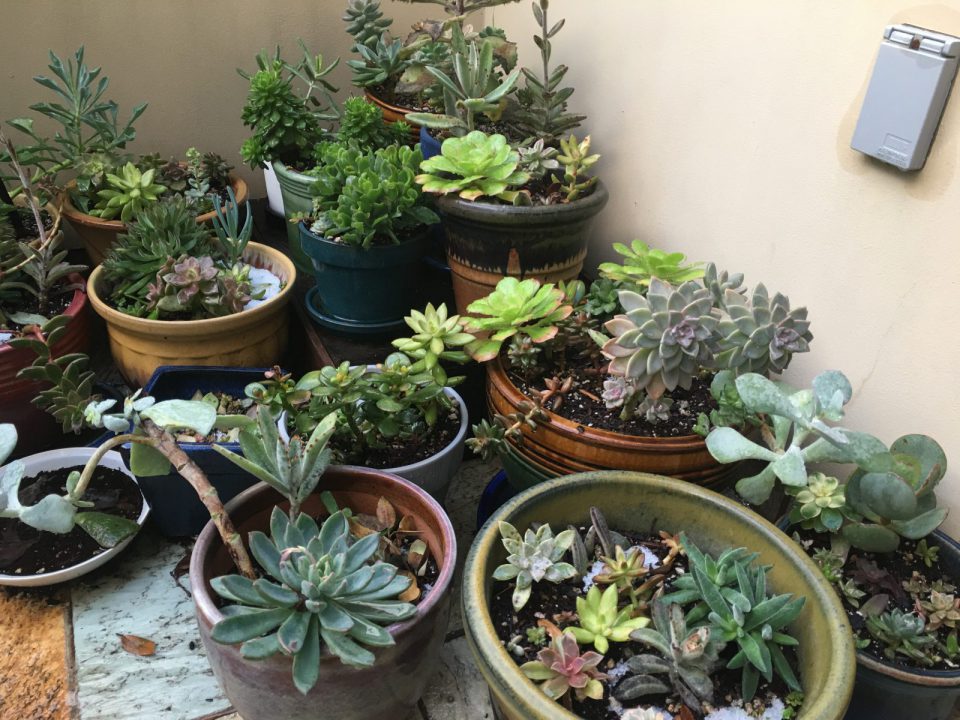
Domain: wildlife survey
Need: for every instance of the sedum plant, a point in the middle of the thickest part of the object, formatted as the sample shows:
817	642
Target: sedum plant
688	657
561	669
534	557
473	166
323	590
127	194
436	337
641	264
362	125
601	622
516	308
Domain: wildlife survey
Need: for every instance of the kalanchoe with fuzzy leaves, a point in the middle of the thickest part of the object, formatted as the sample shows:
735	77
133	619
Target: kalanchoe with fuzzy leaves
687	656
902	633
601	623
474	166
522	307
662	340
562	668
322	588
535	557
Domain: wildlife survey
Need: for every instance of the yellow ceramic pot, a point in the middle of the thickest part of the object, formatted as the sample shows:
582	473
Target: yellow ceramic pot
99	234
252	338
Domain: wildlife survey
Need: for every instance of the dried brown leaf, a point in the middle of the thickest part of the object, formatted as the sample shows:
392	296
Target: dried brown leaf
386	515
136	645
359	530
417	554
411	593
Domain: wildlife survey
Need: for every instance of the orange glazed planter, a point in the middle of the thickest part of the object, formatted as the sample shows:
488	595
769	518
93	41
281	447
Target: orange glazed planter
564	447
98	235
394	113
252	338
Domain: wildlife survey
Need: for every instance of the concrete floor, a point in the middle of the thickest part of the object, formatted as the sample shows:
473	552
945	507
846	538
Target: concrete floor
61	656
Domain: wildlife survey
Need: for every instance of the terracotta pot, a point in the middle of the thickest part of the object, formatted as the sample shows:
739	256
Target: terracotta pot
884	690
263	689
394	113
486	241
37	429
565	447
252	338
98	235
638	502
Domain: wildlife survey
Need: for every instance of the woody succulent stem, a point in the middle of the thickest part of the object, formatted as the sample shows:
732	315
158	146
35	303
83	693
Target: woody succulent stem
87	474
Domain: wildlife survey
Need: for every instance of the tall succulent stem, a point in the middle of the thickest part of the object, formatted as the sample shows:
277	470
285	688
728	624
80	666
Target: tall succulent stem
87	473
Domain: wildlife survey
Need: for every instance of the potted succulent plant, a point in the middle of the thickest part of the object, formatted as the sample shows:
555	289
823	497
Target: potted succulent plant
873	535
369	225
568	397
173	293
106	187
611	614
402	415
35	284
287	108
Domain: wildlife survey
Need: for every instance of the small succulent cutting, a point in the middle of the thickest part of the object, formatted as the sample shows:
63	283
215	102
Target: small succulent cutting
561	669
642	263
600	620
534	557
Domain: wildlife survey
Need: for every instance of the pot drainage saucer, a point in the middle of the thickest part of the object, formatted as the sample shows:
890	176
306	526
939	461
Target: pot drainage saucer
351	327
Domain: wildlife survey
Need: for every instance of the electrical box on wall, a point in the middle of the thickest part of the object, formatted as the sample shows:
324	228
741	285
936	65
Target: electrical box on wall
907	94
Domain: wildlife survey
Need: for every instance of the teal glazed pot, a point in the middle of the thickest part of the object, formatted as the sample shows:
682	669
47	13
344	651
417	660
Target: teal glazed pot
891	691
487	241
297	199
390	689
639	502
373	286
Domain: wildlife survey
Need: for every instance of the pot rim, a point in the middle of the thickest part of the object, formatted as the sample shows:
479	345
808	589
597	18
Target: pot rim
281	168
568	428
418	238
496	214
504	671
377	100
71	212
75	307
204	326
52	460
209	536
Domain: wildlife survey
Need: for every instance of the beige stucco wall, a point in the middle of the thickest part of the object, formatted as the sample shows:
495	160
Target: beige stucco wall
178	55
725	130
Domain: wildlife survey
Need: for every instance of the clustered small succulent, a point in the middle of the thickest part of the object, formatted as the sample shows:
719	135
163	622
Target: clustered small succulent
718	613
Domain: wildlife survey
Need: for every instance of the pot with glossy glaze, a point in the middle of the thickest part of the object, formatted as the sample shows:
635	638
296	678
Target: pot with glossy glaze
36	427
264	690
252	338
393	113
487	241
297	200
564	446
638	502
98	235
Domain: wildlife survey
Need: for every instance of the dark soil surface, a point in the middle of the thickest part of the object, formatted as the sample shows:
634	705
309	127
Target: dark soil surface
557	603
29	224
903	567
583	404
407	451
387	92
26	551
27	303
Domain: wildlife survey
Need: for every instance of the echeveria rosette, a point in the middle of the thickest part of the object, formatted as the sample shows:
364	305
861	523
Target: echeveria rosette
474	166
601	623
534	557
642	263
821	505
561	667
664	339
320	587
522	307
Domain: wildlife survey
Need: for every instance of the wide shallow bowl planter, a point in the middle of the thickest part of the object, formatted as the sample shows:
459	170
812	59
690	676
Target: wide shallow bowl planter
37	429
98	235
394	113
364	290
883	690
64	458
297	200
487	241
563	446
264	690
251	338
640	503
435	472
176	509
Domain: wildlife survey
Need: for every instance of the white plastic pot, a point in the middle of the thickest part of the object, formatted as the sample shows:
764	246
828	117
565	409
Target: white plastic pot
274	197
69	458
435	473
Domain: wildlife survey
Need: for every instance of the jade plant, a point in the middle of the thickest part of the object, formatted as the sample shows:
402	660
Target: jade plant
651	631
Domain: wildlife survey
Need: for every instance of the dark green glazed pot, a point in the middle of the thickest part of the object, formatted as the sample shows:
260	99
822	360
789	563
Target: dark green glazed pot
487	241
887	691
639	502
522	473
376	285
297	198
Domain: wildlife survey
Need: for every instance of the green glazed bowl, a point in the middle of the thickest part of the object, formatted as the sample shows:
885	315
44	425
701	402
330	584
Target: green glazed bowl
639	502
